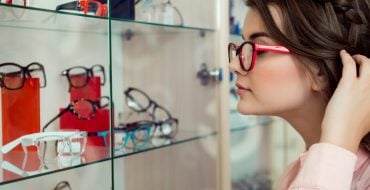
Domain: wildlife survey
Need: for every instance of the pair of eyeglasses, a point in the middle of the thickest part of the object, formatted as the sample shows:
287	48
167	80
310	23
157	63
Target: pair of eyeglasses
55	144
143	133
13	76
82	108
135	135
139	101
130	133
248	51
87	6
79	76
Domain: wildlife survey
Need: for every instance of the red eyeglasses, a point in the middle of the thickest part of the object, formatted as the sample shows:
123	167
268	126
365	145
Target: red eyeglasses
87	6
248	51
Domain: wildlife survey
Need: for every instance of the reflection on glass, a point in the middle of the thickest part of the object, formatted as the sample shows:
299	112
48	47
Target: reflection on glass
62	162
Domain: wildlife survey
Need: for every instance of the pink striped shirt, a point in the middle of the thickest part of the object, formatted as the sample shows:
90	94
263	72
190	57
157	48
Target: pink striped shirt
328	167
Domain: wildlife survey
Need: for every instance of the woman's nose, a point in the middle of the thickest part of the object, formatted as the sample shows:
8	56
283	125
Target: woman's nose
234	66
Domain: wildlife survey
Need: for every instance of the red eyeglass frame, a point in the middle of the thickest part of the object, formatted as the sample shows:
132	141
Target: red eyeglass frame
102	7
256	48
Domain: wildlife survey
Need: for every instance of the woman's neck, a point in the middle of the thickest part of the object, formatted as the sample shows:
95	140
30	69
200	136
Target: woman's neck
307	120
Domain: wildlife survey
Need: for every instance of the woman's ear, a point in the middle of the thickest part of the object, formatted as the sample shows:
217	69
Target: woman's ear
318	80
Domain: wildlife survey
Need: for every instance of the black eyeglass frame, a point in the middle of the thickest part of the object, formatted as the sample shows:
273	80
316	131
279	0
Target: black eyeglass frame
25	72
144	109
89	72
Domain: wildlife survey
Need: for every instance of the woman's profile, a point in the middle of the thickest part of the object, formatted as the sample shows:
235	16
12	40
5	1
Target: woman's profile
308	62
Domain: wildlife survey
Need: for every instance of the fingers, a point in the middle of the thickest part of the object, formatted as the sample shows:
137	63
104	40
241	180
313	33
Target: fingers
364	65
349	66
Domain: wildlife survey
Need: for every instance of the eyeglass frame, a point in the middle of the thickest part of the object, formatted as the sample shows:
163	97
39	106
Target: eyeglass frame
89	73
256	48
95	104
25	73
151	102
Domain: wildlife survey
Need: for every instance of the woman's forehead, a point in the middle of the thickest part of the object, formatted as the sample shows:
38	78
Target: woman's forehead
255	23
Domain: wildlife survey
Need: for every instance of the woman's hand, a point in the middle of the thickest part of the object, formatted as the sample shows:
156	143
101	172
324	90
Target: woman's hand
347	116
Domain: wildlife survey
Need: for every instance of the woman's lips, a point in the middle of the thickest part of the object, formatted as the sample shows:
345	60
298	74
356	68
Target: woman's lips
242	90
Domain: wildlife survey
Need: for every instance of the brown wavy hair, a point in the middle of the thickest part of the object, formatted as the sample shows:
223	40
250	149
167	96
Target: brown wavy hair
316	30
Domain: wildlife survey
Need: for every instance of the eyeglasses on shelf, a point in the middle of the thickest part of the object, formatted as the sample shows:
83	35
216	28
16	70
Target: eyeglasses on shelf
94	7
61	143
13	75
139	101
79	76
82	108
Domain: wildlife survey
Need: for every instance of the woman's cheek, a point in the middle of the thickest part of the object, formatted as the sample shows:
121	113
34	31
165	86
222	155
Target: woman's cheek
279	86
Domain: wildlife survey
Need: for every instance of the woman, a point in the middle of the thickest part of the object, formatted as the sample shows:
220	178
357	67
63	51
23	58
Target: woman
307	62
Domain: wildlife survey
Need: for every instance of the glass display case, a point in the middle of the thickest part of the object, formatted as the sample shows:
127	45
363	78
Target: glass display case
93	98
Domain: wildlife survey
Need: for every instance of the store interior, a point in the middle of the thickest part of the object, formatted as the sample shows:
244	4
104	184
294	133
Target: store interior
130	95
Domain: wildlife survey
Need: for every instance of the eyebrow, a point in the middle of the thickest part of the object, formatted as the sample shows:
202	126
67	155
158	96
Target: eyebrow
256	35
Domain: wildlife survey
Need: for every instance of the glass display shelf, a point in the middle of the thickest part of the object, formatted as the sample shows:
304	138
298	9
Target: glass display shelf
121	24
15	16
16	166
185	136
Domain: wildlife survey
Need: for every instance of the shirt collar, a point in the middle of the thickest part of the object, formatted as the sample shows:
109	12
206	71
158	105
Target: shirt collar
362	157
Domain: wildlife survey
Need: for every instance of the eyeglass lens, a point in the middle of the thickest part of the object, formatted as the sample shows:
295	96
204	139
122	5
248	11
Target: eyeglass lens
50	148
245	53
84	109
78	77
129	140
139	102
13	75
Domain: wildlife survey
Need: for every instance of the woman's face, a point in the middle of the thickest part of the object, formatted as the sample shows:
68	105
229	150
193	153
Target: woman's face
278	84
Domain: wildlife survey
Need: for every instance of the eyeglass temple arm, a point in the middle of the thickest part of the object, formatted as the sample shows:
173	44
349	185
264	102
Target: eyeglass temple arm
69	6
11	167
6	148
272	48
54	118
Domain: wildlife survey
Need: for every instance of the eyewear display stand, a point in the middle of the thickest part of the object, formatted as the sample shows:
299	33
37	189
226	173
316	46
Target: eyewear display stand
99	65
20	108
